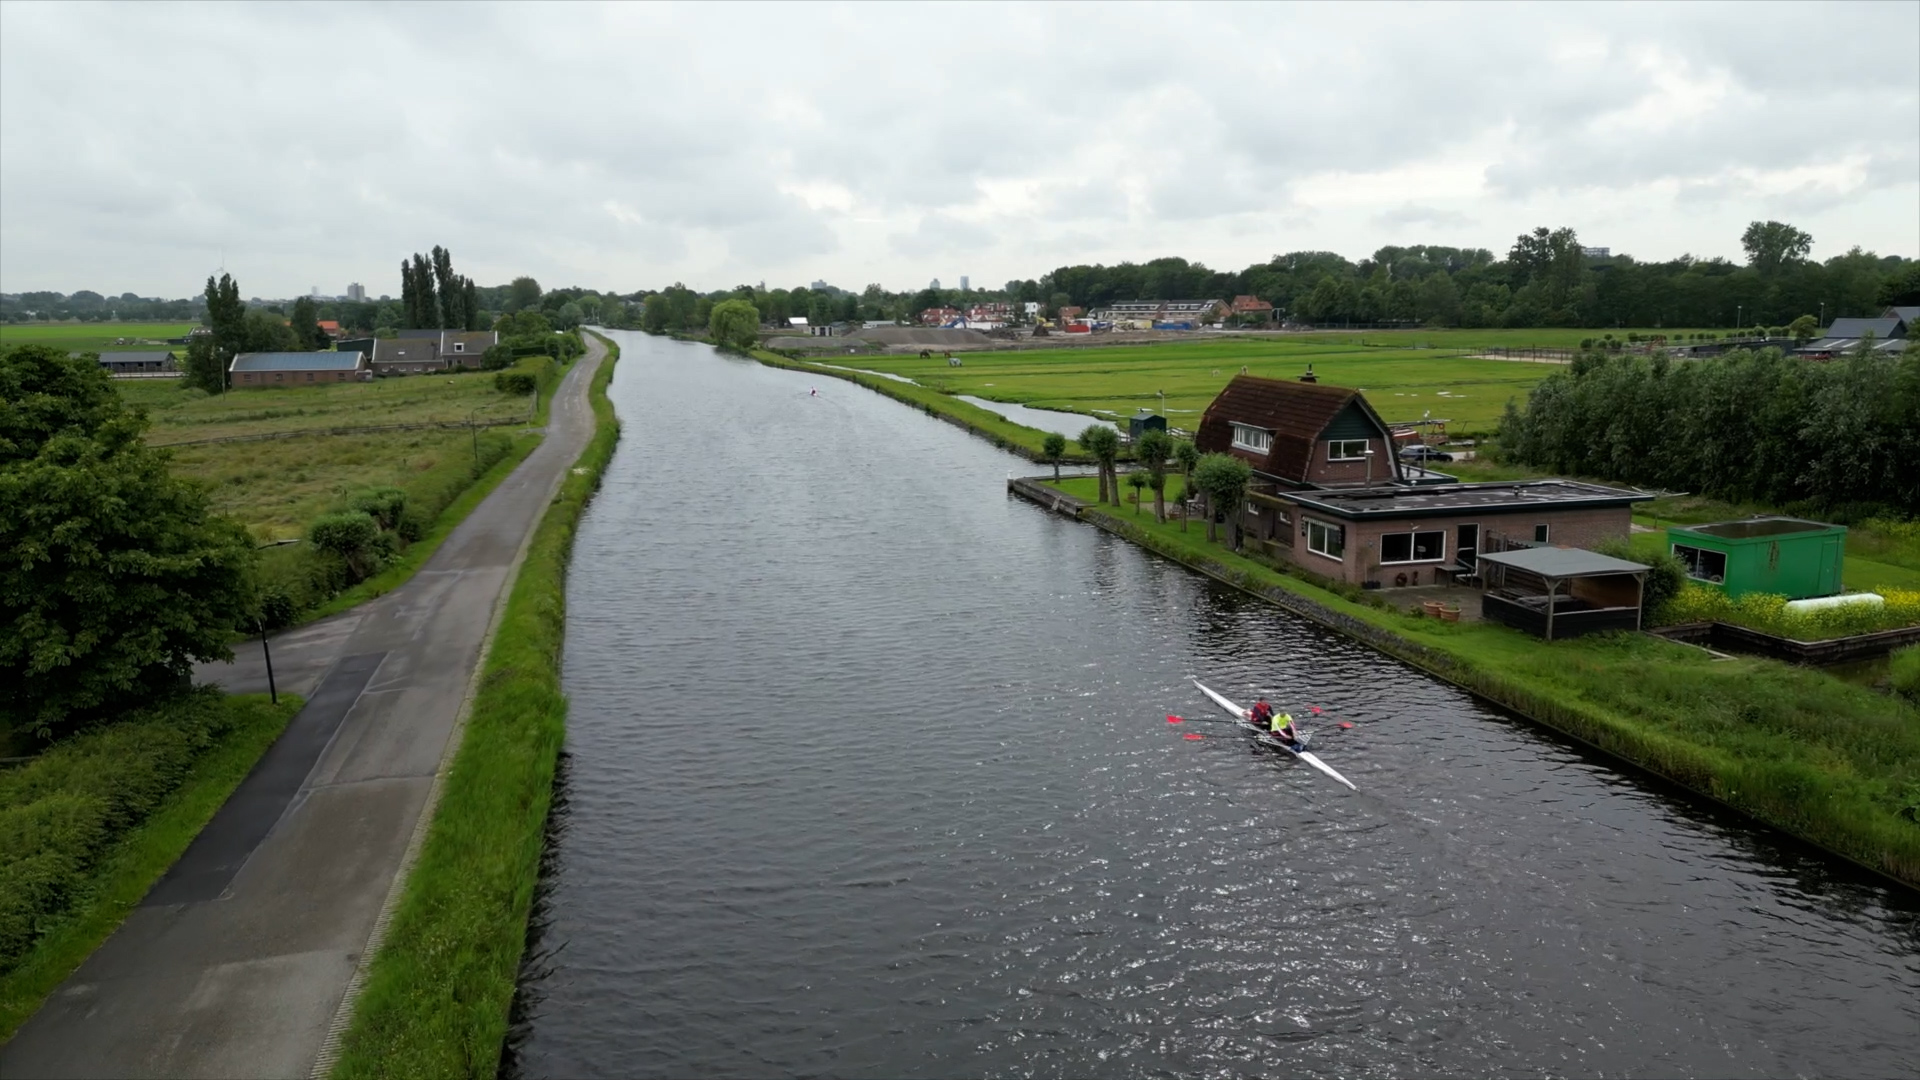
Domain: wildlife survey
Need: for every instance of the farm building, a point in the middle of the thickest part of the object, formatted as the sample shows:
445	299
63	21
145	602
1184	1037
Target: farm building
262	370
1330	493
139	363
1889	333
1144	313
406	356
1780	555
463	348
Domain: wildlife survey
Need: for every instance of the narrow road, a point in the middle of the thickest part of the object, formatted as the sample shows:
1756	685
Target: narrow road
237	961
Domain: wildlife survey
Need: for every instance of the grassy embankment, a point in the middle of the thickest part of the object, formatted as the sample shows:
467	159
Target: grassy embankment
437	995
89	826
1816	756
98	337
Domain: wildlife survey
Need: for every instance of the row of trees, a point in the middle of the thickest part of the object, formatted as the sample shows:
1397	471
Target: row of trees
432	296
1754	425
1545	279
89	306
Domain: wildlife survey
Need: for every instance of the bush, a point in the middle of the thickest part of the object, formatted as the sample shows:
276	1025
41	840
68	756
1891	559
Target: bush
1903	669
385	505
515	383
497	356
349	536
59	812
1665	579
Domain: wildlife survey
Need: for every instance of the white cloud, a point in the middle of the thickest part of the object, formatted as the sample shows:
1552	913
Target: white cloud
627	146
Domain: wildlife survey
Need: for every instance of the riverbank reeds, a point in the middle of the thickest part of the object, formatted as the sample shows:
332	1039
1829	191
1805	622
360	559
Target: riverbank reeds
87	827
437	994
1823	759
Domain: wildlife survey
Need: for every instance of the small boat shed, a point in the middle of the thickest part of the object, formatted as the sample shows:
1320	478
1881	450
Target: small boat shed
1560	592
1144	421
1782	555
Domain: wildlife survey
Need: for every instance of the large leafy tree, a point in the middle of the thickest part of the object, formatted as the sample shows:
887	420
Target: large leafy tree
1773	245
734	322
114	578
1223	478
208	355
524	293
306	325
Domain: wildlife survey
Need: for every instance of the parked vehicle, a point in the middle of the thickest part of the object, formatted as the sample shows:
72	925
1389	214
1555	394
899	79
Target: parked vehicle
1420	452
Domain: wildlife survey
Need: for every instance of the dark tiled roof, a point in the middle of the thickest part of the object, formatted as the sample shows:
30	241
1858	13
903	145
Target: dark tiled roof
1296	413
419	332
474	340
1859	328
410	350
297	361
1908	315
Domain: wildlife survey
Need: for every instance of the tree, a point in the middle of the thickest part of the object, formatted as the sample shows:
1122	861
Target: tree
1223	478
1187	456
1772	245
208	355
735	323
447	290
267	333
1136	481
1052	449
524	293
1152	449
306	325
117	577
1803	329
1102	442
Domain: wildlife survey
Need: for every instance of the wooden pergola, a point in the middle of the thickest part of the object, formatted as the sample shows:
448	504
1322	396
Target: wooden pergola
1561	592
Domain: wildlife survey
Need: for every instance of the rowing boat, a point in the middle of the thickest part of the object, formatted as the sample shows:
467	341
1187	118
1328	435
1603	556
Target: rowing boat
1269	737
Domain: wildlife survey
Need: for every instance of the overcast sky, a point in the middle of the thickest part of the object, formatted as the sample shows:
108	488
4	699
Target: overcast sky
627	146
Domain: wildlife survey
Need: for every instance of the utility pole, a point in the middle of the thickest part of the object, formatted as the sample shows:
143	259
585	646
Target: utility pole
273	694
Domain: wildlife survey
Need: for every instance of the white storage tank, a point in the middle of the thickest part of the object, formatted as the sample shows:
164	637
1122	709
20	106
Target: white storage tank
1820	603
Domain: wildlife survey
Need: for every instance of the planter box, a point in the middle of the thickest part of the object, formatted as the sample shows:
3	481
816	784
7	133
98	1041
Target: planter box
1730	638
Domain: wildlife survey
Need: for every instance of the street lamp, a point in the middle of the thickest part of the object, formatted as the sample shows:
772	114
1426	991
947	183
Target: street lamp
1737	309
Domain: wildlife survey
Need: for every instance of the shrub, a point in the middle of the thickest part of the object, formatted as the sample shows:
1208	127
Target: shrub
385	505
497	356
1768	613
1665	579
1903	669
349	536
515	383
60	811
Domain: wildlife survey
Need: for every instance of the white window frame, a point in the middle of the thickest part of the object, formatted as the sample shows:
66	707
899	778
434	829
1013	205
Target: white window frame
1413	545
1543	533
1248	437
1335	446
1693	565
1311	525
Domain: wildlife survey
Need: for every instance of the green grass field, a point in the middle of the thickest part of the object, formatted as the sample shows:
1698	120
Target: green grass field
181	415
1405	375
95	337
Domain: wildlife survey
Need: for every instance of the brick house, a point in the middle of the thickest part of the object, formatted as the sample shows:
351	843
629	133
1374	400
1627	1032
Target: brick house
1330	494
1251	309
279	369
406	356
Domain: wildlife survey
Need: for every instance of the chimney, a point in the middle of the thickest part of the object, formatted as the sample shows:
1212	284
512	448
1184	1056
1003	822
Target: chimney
1309	376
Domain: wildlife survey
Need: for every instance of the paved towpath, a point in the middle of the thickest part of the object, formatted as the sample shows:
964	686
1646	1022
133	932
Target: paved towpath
237	961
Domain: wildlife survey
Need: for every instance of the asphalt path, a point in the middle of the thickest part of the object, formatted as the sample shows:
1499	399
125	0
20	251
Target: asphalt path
239	959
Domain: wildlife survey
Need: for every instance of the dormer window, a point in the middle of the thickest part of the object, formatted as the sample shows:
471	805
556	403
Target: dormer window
1247	437
459	346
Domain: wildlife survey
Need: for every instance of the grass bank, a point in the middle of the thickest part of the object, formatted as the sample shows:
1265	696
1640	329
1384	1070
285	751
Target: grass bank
89	826
1826	760
436	998
986	423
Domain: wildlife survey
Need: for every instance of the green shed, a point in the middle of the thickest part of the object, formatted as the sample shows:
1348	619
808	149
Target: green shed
1785	556
1144	421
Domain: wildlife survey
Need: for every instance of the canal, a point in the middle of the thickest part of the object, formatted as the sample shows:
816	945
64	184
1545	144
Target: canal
869	775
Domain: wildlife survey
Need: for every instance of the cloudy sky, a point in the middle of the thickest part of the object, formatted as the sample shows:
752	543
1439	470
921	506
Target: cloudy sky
627	146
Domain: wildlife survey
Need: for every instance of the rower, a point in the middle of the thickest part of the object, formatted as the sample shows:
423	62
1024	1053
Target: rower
1261	714
1283	729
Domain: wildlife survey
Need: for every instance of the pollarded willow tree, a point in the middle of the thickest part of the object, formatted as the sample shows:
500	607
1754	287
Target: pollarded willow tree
1152	450
1103	443
1223	478
116	576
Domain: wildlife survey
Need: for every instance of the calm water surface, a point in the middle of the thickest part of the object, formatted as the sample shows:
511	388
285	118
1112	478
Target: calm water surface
870	776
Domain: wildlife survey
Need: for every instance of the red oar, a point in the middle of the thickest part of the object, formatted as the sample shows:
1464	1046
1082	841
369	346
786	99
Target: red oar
1344	726
1194	720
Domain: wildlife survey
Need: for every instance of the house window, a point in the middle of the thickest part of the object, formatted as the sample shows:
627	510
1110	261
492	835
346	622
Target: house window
1539	534
1248	437
277	376
1347	450
1325	539
459	346
1413	547
1702	564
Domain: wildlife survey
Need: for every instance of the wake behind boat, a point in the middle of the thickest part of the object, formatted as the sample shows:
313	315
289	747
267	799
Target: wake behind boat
1244	717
